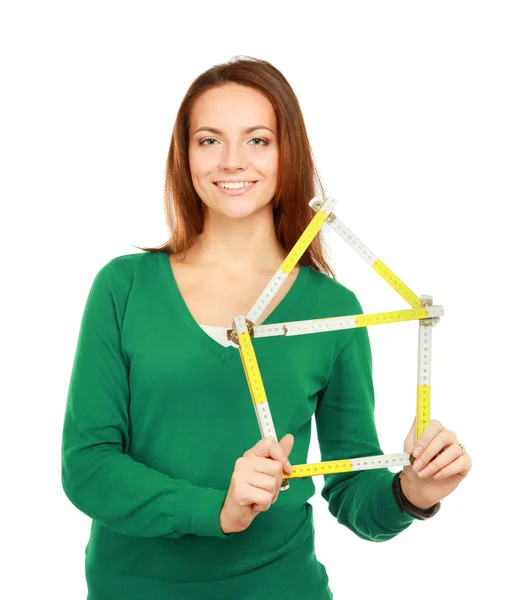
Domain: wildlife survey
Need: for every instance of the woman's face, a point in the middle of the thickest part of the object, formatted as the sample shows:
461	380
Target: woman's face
231	153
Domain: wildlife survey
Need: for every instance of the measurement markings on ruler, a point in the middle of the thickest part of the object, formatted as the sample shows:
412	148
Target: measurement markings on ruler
395	282
423	383
308	236
372	260
291	260
348	322
381	461
422	408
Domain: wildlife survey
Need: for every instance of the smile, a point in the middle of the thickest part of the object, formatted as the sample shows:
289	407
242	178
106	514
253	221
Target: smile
236	191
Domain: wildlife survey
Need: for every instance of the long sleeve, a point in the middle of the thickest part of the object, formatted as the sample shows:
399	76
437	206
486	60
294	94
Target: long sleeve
98	476
363	501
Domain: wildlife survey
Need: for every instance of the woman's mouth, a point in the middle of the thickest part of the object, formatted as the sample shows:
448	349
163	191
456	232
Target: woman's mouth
238	191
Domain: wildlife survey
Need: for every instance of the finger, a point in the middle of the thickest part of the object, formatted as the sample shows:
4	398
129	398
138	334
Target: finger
409	442
267	465
429	433
270	448
260	500
447	456
461	466
443	439
264	465
264	482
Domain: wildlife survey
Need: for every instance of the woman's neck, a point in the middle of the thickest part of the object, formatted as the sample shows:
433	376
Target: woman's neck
238	244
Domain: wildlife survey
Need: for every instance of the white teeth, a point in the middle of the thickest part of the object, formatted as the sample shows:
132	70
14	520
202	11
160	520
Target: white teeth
235	186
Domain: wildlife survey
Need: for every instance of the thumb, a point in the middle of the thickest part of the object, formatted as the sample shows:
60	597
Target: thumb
286	442
409	442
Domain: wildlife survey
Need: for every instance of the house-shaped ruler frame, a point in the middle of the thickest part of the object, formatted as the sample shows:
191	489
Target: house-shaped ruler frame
243	329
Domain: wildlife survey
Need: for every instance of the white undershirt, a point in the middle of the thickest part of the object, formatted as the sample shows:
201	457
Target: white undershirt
217	333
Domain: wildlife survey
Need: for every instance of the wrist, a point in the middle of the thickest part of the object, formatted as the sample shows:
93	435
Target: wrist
405	505
413	495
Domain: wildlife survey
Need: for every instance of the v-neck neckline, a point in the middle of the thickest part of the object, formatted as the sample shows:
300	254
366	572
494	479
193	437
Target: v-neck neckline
214	346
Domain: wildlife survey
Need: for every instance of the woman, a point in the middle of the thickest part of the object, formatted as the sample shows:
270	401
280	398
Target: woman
161	445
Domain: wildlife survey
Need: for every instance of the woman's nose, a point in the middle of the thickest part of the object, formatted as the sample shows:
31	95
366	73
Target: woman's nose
233	156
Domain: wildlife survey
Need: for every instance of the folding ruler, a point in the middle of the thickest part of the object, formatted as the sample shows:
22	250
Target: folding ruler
243	329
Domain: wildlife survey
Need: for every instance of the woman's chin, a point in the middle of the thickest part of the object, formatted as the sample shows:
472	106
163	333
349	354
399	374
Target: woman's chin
235	210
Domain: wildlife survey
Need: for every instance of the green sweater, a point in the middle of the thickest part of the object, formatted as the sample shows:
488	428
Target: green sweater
157	414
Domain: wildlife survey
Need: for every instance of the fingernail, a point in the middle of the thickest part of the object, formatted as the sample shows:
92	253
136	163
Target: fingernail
288	467
417	451
417	464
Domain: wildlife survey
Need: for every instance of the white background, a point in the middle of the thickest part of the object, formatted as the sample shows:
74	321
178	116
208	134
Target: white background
404	103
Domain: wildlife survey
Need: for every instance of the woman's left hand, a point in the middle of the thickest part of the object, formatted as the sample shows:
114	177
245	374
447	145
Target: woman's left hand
430	479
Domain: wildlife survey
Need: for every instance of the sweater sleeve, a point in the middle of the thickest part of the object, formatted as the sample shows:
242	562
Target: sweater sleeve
98	476
363	501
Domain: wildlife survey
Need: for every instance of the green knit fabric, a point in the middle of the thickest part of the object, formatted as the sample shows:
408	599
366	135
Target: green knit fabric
158	412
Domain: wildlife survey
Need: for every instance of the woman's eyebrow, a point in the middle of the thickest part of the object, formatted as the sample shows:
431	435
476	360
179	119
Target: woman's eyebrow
218	131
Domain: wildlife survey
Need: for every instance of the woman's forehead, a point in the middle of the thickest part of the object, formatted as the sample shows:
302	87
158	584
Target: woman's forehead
233	110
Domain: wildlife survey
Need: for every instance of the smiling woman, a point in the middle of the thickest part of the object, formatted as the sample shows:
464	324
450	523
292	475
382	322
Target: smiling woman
241	121
161	445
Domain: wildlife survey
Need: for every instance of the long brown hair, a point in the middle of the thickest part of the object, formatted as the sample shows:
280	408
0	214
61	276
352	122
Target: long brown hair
298	176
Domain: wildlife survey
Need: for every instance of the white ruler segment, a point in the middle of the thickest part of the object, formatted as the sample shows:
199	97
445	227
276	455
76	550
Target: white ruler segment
349	237
322	325
378	462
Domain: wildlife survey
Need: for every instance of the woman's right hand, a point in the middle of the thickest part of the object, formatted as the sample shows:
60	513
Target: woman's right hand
255	482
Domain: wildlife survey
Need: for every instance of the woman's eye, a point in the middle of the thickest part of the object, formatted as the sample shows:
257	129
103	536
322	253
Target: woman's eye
203	142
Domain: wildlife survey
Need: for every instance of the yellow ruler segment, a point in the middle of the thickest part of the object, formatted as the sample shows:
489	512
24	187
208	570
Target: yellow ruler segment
422	408
251	369
394	316
401	288
246	373
322	468
386	317
256	388
303	242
